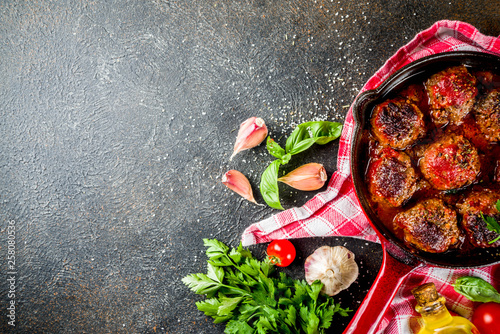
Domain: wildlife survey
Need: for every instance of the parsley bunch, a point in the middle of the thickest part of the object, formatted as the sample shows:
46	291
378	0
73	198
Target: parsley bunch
241	291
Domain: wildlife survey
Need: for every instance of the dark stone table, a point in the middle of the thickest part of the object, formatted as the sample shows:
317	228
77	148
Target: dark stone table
118	119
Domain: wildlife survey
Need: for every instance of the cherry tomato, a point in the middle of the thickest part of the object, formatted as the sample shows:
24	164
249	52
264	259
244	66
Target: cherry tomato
281	252
486	317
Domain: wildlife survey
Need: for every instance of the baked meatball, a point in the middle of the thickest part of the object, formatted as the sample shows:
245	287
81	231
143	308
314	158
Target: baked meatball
452	94
397	123
391	177
477	203
450	163
487	114
430	226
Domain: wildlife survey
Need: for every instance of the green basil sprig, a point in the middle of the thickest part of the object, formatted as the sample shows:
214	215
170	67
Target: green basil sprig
476	289
303	137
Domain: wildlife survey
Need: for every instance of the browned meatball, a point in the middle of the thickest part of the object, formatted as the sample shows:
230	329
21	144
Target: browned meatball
391	177
475	227
452	94
397	123
487	113
450	163
430	226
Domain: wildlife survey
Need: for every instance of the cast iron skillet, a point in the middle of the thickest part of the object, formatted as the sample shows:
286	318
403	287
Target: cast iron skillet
401	259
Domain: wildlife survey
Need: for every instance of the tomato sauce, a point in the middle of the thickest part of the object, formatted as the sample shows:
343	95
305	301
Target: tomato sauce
488	151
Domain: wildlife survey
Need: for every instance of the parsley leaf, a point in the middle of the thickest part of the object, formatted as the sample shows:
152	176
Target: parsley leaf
243	292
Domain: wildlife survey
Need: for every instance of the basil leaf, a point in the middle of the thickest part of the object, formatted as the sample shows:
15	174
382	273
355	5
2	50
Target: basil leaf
306	134
325	131
274	148
476	289
269	185
286	159
277	151
498	205
299	134
302	145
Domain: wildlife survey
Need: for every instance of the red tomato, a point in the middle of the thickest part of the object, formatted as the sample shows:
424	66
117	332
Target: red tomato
486	317
281	252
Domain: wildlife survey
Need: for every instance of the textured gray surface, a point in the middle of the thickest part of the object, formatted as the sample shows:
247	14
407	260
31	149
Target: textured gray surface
118	119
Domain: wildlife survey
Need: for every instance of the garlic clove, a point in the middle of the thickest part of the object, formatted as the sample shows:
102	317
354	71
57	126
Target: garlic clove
251	133
308	177
335	267
238	183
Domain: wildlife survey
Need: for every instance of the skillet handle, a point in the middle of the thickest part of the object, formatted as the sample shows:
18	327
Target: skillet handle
372	309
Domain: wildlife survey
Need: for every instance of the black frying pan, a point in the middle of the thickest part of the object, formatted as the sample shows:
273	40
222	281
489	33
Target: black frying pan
403	259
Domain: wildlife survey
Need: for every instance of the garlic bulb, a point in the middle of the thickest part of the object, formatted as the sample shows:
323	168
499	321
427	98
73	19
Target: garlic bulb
333	266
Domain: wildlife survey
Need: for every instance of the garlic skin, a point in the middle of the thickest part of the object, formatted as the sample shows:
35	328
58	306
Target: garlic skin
238	183
252	132
308	177
334	266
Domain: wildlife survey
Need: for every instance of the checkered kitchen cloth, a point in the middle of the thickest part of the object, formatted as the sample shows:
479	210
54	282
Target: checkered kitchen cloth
336	211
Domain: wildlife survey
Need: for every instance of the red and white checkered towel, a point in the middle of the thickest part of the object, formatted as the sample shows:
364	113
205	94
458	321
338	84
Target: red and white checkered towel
336	211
